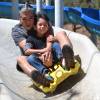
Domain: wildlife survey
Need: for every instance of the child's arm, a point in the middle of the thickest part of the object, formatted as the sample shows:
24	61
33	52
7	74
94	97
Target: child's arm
28	48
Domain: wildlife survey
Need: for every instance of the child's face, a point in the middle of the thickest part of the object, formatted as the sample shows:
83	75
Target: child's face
41	26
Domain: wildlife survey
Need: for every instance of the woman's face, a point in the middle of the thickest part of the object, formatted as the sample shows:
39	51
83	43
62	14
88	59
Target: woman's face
27	20
41	27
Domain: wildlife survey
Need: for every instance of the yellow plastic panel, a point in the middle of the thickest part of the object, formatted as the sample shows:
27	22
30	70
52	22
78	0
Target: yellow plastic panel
59	75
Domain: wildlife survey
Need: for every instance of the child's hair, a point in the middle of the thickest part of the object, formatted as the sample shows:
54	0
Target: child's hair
41	15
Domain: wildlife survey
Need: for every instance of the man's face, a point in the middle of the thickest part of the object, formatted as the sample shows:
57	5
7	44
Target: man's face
27	20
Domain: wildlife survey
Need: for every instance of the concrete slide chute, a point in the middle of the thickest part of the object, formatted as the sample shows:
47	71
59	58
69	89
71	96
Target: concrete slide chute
83	86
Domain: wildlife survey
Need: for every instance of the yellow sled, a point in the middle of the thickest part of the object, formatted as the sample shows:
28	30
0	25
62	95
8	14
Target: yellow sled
59	75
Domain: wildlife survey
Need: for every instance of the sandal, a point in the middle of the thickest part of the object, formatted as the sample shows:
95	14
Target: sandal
40	78
48	77
68	55
77	57
19	68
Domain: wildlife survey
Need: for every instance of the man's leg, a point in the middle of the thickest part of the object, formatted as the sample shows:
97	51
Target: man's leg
66	47
63	39
57	52
25	66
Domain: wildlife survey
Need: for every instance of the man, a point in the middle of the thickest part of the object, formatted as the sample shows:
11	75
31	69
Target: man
20	33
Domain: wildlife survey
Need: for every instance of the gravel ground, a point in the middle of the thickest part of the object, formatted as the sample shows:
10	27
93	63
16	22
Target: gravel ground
82	30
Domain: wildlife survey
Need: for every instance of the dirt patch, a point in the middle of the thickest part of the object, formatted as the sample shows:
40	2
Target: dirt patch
82	30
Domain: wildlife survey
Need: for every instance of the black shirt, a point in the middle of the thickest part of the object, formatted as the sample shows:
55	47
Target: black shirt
35	42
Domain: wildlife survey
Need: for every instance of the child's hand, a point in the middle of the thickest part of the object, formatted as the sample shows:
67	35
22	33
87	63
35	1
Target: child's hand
48	62
51	38
47	59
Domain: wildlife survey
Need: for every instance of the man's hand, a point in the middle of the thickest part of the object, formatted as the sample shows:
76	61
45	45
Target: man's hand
47	58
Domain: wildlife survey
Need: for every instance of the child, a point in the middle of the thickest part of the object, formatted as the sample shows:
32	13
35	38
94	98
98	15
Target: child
44	53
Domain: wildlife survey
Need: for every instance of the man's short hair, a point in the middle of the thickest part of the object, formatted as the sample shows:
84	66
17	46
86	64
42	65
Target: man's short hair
26	8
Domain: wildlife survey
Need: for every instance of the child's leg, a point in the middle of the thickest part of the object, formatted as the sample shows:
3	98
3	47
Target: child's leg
31	71
37	63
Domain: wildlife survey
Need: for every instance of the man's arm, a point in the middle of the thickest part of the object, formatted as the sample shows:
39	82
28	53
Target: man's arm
19	37
22	43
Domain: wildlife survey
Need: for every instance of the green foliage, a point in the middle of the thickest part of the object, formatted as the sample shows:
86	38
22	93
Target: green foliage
72	3
83	3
